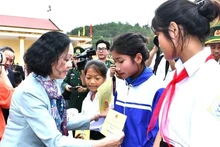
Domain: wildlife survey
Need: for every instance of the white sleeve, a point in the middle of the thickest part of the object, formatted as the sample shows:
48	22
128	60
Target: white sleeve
78	122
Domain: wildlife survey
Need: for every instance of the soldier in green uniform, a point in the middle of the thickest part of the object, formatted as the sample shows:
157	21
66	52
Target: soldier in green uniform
102	52
74	84
213	41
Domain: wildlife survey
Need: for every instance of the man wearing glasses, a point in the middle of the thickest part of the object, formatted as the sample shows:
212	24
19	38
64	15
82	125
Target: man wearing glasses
102	52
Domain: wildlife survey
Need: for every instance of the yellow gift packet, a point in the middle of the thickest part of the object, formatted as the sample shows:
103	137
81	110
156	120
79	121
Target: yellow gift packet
84	134
105	94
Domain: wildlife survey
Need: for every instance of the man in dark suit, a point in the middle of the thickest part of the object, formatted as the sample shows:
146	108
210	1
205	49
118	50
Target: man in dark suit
10	56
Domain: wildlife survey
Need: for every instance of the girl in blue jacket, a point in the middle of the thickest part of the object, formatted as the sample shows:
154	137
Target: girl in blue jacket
138	95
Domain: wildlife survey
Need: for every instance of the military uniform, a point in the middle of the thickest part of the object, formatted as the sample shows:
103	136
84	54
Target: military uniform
73	78
76	98
213	41
108	63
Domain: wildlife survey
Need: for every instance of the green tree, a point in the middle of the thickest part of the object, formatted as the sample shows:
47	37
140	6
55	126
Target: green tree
109	30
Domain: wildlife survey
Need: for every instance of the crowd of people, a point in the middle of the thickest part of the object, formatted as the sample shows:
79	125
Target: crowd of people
168	94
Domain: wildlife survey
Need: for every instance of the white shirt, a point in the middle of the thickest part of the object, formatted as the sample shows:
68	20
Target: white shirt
91	108
194	115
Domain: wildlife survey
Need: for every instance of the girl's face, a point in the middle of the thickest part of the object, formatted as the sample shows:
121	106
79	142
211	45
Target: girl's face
93	79
125	67
165	46
61	68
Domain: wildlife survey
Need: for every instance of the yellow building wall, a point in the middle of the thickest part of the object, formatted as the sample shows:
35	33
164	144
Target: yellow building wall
15	45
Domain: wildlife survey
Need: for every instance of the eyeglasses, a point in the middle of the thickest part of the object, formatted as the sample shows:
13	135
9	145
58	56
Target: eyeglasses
101	48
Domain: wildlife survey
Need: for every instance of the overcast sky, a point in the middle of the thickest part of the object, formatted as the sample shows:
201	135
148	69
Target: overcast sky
68	14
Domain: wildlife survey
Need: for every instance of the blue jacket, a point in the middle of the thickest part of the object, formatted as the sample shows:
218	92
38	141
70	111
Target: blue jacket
137	99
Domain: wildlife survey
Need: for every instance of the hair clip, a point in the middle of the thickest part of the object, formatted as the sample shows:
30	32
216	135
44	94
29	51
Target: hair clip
200	2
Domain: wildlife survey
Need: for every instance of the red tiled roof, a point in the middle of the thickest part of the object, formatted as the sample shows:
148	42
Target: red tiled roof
25	22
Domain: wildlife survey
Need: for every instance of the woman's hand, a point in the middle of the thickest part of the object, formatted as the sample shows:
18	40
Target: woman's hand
115	140
110	141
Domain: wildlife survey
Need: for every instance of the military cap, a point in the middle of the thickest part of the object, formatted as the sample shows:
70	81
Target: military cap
214	36
78	50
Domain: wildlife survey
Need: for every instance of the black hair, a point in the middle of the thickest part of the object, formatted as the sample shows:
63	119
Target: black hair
20	69
46	51
4	48
103	41
17	77
195	18
7	48
130	44
98	65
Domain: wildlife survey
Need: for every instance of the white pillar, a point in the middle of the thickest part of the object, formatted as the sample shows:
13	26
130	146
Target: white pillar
21	40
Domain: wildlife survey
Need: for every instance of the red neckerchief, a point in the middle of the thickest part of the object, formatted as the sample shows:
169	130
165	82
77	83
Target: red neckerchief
169	91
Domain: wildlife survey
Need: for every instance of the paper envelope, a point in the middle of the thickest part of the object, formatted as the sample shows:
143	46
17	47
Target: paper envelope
114	123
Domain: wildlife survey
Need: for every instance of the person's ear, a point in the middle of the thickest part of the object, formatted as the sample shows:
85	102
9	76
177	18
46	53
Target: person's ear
173	30
138	58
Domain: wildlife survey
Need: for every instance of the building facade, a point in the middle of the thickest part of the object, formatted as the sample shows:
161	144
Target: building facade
20	33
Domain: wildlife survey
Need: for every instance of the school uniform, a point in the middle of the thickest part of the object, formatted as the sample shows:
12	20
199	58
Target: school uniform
194	118
90	109
137	99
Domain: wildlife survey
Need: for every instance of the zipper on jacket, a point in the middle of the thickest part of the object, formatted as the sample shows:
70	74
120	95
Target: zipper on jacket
129	85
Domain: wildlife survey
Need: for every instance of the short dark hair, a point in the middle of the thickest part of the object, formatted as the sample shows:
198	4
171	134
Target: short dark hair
17	77
103	41
4	48
20	69
7	48
98	65
46	51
